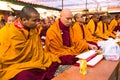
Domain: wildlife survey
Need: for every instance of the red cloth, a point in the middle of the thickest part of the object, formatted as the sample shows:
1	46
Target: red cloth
37	74
65	34
117	28
68	60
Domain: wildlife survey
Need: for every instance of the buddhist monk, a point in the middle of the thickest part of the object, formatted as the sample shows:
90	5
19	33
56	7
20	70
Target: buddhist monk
21	53
45	26
102	28
82	32
117	28
114	23
61	40
10	19
92	24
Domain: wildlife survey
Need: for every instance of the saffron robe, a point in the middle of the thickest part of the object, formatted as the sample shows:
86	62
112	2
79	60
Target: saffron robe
20	50
92	26
83	33
54	42
101	30
113	24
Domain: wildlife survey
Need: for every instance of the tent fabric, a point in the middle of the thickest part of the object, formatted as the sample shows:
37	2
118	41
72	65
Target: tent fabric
75	5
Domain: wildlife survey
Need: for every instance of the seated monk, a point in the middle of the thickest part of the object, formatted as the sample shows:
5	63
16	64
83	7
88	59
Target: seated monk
102	28
10	19
61	40
92	24
81	31
93	27
117	28
114	23
45	26
21	53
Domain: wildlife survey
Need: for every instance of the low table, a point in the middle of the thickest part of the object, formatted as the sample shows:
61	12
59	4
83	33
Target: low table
104	70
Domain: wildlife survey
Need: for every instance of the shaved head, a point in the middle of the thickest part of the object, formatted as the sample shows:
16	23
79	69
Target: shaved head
78	17
66	12
66	17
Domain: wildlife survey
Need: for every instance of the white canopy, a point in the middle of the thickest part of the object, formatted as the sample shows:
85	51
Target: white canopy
76	4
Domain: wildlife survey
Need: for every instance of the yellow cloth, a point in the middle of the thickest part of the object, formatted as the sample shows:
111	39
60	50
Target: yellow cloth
21	50
91	26
83	36
101	30
54	42
113	24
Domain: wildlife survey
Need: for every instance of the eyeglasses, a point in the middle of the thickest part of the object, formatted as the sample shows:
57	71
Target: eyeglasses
68	19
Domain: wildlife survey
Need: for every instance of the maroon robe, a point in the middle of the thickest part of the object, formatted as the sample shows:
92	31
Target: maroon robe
37	74
66	59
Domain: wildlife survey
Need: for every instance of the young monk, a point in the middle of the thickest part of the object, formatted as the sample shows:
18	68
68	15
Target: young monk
61	40
21	53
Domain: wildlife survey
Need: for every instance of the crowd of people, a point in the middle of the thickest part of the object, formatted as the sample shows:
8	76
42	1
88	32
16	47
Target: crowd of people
32	48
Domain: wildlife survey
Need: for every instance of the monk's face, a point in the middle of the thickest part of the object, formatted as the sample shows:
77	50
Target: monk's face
96	18
33	21
66	19
10	19
79	18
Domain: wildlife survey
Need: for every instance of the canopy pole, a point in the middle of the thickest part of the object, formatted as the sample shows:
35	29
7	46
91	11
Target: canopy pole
86	4
86	9
62	4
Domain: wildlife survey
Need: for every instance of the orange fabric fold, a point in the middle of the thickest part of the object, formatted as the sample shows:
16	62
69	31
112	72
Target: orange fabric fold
21	50
54	42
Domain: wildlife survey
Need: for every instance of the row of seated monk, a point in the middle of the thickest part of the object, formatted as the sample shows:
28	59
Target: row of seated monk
22	55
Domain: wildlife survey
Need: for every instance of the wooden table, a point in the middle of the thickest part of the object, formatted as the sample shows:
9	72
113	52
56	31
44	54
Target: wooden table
104	70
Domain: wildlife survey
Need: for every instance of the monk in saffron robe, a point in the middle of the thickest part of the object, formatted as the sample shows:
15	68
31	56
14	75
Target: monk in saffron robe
92	24
61	40
21	53
102	28
114	23
82	32
45	26
117	28
10	19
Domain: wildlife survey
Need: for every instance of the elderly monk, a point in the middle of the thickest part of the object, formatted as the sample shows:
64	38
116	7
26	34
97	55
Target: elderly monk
21	53
61	40
82	32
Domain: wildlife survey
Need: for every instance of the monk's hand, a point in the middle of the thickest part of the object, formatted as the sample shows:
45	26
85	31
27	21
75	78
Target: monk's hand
92	47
